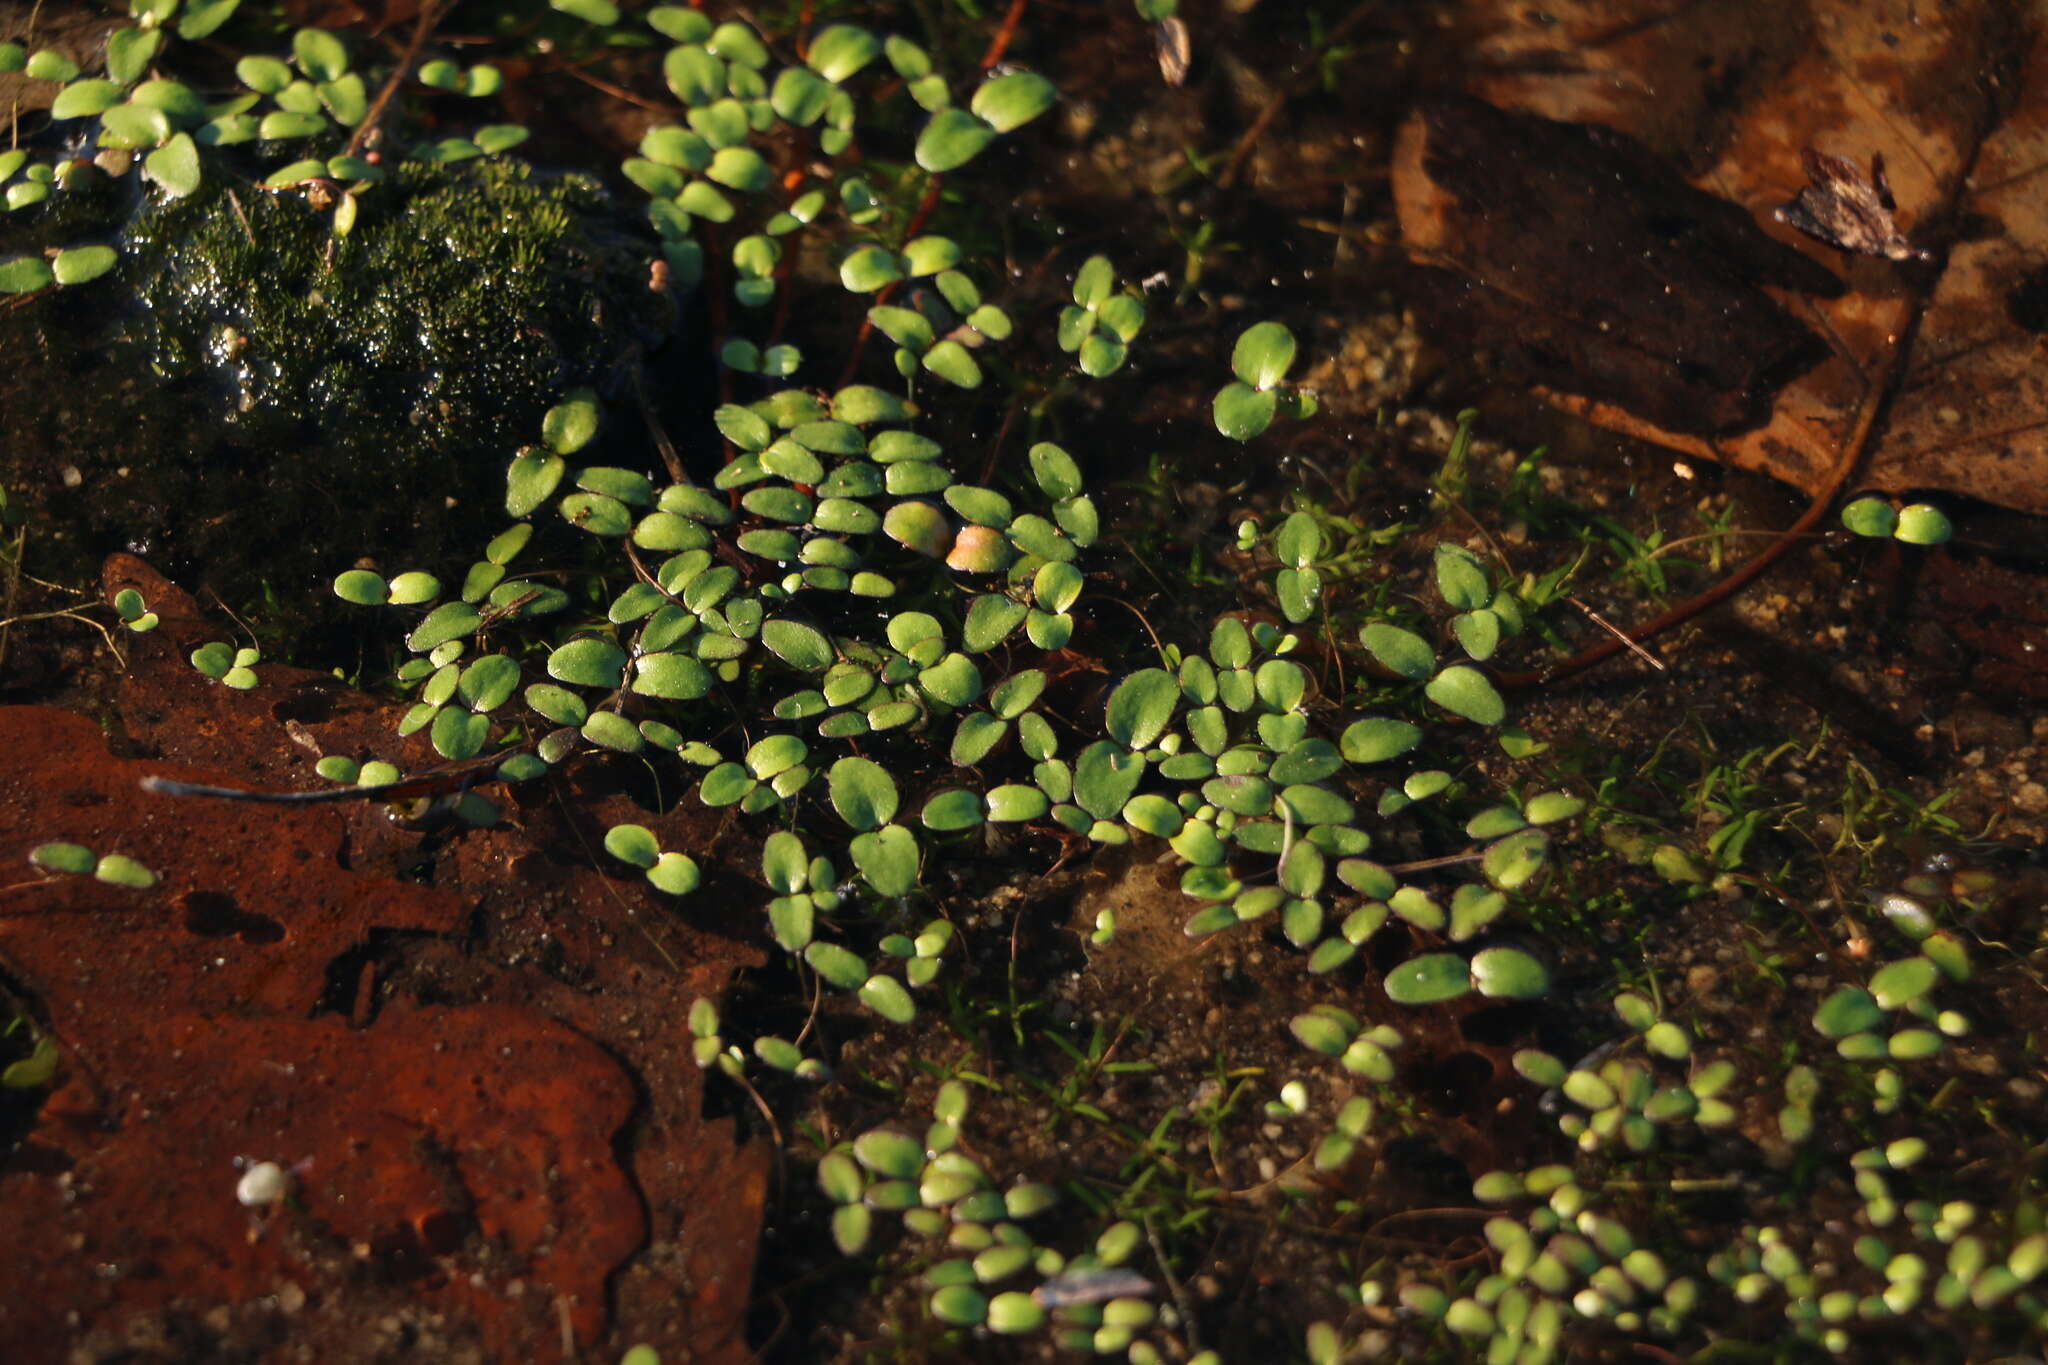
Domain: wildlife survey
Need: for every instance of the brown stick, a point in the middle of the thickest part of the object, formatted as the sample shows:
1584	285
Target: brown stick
1242	152
1005	34
1851	455
430	15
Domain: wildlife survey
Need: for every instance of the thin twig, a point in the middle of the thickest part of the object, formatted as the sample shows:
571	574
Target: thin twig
1005	34
1242	152
430	15
617	92
1618	633
1846	461
670	459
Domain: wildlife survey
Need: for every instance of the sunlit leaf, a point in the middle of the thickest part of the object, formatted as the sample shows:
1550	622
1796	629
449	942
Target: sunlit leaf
1262	355
951	139
862	792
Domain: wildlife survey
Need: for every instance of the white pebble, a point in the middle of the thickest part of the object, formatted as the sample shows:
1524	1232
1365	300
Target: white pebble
262	1185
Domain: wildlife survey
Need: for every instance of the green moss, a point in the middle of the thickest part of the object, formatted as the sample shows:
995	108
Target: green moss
465	297
268	411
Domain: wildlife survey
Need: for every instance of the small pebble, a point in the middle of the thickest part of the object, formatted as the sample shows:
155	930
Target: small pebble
262	1185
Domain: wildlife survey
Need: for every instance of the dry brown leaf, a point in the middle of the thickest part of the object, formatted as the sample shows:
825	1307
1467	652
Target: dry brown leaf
1955	100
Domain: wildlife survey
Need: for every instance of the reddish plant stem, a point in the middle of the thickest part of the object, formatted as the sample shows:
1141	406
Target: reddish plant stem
430	15
1242	152
995	449
1004	35
1849	456
867	327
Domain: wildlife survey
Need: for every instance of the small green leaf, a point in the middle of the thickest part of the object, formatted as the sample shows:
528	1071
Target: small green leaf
954	363
319	54
1013	100
863	793
1871	517
175	166
799	97
82	99
869	268
990	620
531	480
1262	355
886	996
1428	979
610	730
570	424
694	75
25	274
1377	739
33	1071
488	682
346	99
50	65
739	168
658	179
1141	707
214	659
887	859
591	661
1057	474
596	13
129	51
203	17
1849	1010
1105	776
1509	973
597	513
841	969
1461	578
951	139
1464	691
282	125
953	809
1511	862
1155	815
82	263
839	51
798	644
1900	983
672	676
557	704
63	857
1013	802
1923	524
117	869
633	844
1243	412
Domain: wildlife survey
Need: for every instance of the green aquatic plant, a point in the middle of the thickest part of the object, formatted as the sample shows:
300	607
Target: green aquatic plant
116	869
866	645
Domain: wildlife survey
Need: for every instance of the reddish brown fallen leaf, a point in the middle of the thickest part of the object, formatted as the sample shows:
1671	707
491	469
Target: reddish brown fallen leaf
458	1125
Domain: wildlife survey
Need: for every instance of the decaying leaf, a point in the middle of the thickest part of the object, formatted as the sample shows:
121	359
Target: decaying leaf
1848	209
456	1127
1734	97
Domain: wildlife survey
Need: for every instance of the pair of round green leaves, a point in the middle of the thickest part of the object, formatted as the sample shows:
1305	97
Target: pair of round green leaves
674	873
1500	973
116	869
1460	689
954	137
1261	358
1919	524
73	266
